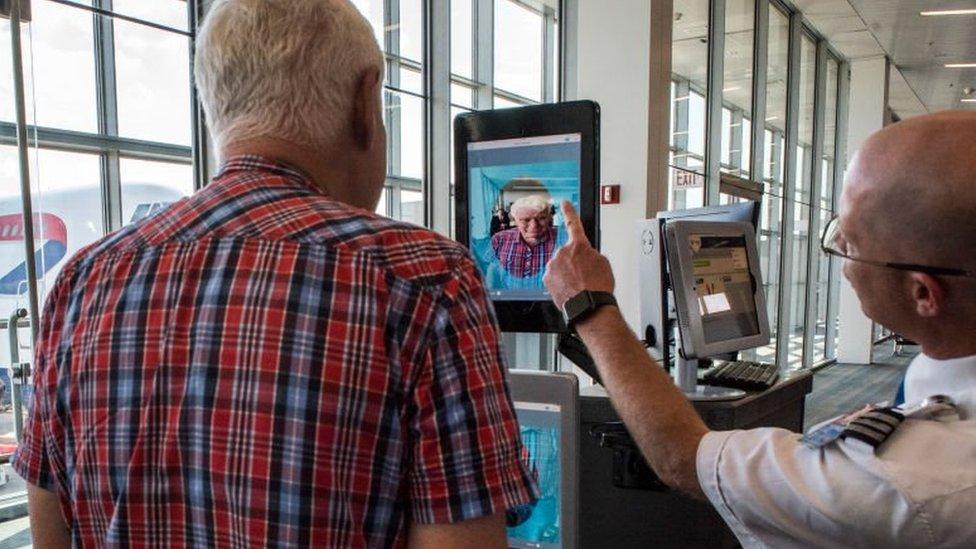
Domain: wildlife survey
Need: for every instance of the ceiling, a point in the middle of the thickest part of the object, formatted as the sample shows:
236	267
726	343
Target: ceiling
918	47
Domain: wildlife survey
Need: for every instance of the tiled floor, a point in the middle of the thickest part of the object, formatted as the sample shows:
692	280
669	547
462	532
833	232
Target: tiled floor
841	388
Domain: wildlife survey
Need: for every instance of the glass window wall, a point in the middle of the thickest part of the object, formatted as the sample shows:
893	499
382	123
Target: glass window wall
740	16
801	199
690	129
689	67
825	209
109	118
774	158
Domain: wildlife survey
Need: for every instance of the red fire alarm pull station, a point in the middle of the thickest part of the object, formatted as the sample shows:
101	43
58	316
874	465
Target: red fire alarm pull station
610	194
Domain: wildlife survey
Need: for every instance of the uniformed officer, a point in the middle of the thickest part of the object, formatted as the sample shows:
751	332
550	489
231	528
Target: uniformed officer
889	477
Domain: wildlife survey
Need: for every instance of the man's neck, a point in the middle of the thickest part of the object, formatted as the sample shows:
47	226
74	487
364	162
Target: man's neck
949	338
950	349
321	166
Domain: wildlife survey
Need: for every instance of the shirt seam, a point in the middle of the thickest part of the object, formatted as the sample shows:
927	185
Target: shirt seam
713	471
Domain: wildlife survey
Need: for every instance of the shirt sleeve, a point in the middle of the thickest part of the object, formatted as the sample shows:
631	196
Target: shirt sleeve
35	459
774	491
466	449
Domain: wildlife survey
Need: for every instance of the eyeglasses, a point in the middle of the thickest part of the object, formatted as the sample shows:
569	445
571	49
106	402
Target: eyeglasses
833	243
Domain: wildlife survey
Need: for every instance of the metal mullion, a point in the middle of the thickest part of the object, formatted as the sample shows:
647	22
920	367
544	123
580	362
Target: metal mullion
200	142
400	60
27	209
548	46
568	58
498	92
394	199
72	141
813	229
784	308
713	106
111	14
467	82
840	162
437	116
391	42
760	66
735	140
679	129
108	114
484	59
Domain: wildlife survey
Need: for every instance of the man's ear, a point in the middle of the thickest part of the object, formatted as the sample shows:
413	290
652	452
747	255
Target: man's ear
364	120
928	293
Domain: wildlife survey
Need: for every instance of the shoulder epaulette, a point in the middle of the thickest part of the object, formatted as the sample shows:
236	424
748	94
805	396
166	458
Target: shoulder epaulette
874	427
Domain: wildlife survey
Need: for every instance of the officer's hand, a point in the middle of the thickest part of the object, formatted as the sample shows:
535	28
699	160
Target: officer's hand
577	266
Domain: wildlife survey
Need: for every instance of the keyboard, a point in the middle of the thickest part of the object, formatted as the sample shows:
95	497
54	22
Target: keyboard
742	374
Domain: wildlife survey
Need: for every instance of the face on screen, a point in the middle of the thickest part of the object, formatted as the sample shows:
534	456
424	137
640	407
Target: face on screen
516	186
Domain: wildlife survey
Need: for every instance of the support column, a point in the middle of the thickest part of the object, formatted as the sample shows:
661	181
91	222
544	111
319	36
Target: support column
629	76
437	118
868	99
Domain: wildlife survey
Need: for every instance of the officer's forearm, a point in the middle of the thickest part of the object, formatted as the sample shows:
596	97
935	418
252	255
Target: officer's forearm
661	420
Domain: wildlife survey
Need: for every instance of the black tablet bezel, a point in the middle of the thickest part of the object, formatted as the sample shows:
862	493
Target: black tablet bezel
582	117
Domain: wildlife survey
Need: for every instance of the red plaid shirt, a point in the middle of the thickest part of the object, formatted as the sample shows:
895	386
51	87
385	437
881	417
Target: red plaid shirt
262	365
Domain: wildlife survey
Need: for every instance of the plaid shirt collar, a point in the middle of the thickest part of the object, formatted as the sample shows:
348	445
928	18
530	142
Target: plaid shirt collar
290	174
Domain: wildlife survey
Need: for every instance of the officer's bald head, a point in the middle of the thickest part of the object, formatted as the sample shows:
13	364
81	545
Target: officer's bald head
912	191
910	197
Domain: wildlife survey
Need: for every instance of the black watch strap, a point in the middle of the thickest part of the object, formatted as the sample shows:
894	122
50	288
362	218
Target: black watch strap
585	304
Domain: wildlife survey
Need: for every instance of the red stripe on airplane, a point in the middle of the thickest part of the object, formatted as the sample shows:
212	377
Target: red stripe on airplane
46	227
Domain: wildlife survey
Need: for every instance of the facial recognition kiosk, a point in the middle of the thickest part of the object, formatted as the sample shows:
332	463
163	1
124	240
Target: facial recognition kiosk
513	168
702	302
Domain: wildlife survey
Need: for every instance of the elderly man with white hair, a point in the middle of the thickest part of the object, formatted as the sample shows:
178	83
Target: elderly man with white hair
524	250
268	362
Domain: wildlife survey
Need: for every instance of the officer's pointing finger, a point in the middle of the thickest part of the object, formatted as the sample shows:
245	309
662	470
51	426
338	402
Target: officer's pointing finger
573	225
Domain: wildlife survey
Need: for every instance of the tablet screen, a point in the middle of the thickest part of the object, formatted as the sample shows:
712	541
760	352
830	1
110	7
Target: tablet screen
539	524
514	221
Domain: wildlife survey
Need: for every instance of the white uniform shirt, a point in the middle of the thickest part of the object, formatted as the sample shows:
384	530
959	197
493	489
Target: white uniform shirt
917	490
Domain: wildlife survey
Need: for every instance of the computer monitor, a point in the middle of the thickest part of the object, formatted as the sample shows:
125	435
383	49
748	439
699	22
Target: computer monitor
548	414
513	169
717	284
657	313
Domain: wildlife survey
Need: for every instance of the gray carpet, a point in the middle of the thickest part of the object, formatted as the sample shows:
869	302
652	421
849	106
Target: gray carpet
841	388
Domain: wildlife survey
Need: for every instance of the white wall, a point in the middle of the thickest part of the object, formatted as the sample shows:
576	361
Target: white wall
613	68
868	99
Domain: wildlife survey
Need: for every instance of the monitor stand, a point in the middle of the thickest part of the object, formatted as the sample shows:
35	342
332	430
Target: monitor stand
686	378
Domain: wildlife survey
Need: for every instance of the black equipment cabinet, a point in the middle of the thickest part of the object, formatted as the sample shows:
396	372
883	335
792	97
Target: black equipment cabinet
616	517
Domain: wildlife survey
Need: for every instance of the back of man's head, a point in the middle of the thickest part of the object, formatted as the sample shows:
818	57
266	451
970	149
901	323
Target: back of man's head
282	69
910	197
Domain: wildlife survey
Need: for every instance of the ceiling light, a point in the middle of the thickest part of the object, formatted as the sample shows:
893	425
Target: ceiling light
771	118
969	100
948	12
731	89
960	66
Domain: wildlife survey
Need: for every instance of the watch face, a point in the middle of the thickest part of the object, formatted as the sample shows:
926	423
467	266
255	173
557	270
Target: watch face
577	305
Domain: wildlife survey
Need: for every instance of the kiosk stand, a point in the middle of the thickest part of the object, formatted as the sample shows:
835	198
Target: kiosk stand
719	302
686	378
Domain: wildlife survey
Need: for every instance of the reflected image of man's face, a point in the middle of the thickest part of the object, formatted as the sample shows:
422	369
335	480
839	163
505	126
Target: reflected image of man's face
533	224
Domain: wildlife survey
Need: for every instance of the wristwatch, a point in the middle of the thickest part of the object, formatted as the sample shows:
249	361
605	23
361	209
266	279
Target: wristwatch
585	304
